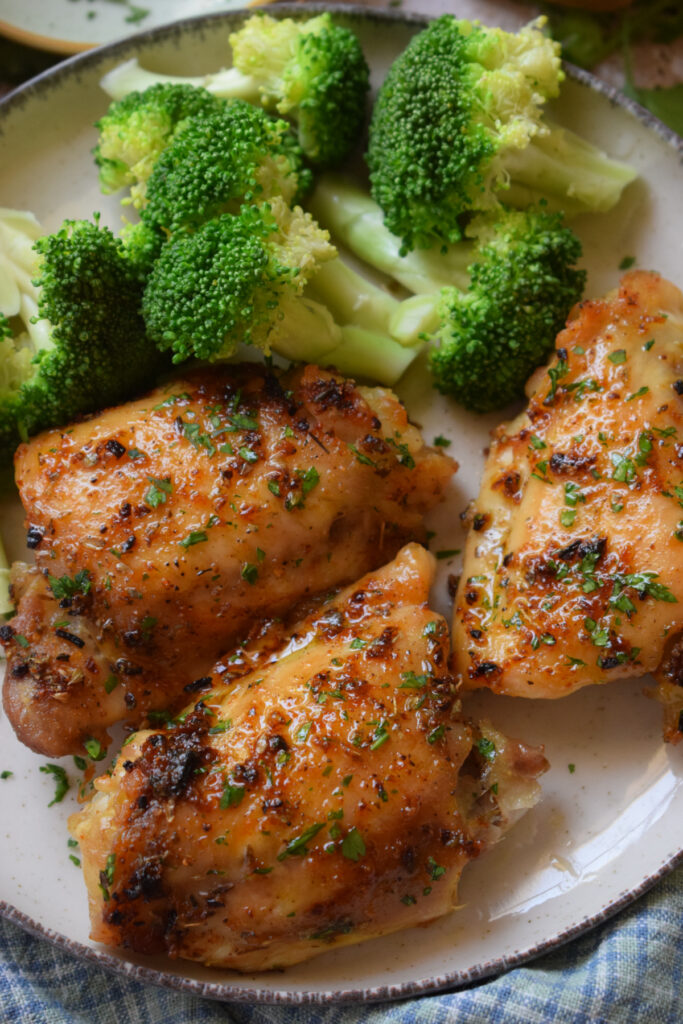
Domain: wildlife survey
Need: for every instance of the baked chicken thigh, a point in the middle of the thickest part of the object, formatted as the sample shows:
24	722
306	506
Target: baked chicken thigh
331	796
164	528
572	570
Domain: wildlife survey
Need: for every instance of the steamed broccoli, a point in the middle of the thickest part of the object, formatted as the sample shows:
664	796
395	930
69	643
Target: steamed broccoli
233	155
458	125
240	278
312	72
138	127
71	336
523	284
513	281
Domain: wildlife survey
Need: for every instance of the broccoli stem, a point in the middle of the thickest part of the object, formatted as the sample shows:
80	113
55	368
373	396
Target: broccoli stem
575	175
6	605
416	317
305	331
228	83
357	221
364	353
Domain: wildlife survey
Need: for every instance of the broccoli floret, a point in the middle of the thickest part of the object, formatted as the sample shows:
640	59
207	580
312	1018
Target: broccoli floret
492	336
138	127
458	125
312	72
240	278
72	339
234	155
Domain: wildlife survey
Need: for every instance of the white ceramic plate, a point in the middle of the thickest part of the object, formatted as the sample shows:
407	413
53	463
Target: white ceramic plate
602	833
70	26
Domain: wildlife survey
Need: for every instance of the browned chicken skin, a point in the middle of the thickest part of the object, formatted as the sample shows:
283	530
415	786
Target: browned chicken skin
163	528
571	571
332	796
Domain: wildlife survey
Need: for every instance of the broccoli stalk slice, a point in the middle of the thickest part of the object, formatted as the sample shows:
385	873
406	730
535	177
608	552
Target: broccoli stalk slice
566	169
131	77
368	354
6	604
305	331
355	220
355	301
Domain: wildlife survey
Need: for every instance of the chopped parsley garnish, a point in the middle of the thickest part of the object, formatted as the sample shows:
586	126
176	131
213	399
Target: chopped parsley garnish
436	734
159	488
231	796
442	442
296	847
638	394
567	517
110	683
447	553
556	373
193	537
353	846
435	870
627	262
65	588
95	749
61	781
274	488
249	572
617	357
7	774
412	681
486	748
363	459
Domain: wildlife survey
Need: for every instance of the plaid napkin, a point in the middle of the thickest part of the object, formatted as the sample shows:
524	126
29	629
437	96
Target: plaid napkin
629	969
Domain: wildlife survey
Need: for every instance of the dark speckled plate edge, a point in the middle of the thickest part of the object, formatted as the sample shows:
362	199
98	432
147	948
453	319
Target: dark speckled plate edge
423	986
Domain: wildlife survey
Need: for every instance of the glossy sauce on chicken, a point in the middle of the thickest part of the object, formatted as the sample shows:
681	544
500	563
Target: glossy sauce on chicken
331	796
571	568
164	527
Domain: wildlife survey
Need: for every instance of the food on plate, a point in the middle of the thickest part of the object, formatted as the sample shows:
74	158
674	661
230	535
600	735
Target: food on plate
164	527
459	125
240	278
513	283
332	796
310	71
72	339
571	567
134	131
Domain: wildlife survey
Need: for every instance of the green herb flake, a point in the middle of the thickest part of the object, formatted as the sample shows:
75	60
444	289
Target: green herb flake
6	774
447	553
627	262
95	749
65	588
363	459
353	846
110	683
638	394
61	781
193	537
442	442
249	572
436	734
410	681
486	748
436	871
231	796
159	488
567	517
297	847
274	488
617	357
572	768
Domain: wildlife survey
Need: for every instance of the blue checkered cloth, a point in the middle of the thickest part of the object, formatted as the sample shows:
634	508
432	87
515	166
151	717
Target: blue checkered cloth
629	969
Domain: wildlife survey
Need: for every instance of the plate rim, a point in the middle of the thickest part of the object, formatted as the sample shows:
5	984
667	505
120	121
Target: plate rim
422	986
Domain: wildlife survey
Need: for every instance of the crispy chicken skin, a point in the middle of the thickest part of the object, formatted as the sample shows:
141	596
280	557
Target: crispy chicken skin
572	566
182	517
332	796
